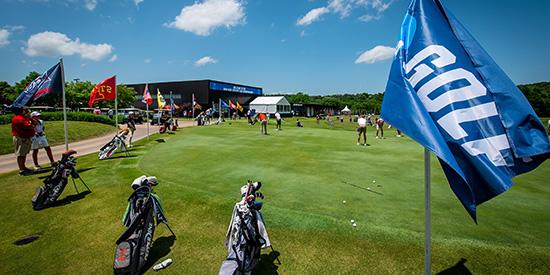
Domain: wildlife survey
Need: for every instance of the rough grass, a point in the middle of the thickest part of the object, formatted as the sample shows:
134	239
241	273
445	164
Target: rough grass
78	130
303	170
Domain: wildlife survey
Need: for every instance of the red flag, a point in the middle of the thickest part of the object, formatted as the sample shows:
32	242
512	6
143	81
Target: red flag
147	99
232	106
104	90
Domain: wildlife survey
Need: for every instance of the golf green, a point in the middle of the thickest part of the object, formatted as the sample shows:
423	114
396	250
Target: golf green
307	174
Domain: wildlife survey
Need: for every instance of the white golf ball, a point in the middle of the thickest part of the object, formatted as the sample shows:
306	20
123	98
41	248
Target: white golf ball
354	224
343	201
368	188
352	221
373	181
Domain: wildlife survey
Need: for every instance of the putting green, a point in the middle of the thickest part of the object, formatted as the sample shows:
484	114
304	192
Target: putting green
307	174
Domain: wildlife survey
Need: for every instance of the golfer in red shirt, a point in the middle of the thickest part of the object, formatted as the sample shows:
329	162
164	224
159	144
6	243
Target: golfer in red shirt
22	131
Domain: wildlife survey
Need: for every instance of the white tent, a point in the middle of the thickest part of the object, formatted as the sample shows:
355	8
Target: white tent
270	104
346	110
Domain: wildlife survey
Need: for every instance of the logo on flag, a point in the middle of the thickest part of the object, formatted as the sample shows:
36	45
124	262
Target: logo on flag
104	90
239	107
147	99
160	100
47	83
446	92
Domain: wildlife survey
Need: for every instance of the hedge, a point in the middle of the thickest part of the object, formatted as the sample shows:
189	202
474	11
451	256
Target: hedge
72	116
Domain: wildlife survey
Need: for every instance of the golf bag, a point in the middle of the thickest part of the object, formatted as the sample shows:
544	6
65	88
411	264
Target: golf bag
112	146
132	248
55	183
246	235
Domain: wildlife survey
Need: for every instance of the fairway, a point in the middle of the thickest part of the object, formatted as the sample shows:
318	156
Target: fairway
306	173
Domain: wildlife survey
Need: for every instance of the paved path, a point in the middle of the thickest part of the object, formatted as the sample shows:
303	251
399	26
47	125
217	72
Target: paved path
8	162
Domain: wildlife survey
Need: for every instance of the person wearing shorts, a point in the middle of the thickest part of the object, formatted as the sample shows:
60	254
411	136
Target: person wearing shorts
278	118
362	129
263	123
22	130
39	140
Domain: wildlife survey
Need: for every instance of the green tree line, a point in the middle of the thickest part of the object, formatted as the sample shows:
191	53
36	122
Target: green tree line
77	94
538	95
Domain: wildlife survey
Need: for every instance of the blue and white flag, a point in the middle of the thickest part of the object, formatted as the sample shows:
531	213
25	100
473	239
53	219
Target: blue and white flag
446	92
47	83
224	105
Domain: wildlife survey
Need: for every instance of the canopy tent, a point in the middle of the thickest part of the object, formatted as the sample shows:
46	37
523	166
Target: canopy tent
346	110
270	104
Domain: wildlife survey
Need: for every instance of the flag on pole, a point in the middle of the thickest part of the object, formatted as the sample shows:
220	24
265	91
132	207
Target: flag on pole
160	100
239	107
147	99
172	105
194	102
48	83
231	105
448	94
104	90
224	104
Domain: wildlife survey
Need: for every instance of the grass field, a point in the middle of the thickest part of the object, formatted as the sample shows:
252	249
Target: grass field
307	173
78	130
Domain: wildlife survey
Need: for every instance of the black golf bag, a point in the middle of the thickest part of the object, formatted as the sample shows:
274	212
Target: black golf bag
55	183
132	247
112	146
246	235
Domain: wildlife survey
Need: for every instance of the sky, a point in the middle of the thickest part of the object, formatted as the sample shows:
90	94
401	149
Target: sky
283	46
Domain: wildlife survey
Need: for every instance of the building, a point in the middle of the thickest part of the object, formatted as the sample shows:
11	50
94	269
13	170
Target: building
271	104
311	109
207	92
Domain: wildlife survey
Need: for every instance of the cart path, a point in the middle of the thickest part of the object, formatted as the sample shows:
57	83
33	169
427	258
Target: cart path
8	162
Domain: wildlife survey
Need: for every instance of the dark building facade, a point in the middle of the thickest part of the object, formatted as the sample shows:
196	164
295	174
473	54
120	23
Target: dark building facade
206	92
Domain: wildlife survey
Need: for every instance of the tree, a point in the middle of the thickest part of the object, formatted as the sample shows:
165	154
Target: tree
5	91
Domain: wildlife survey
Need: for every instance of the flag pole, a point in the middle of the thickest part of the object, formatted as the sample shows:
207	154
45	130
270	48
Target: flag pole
171	111
220	110
427	214
147	113
193	108
65	126
116	107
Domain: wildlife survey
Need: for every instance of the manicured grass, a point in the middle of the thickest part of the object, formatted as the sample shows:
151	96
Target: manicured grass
304	172
78	130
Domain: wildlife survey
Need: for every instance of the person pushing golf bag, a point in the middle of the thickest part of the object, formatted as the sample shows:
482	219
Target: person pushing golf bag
112	146
55	183
246	235
132	248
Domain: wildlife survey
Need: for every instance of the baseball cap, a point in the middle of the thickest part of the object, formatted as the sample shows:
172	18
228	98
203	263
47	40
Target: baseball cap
35	113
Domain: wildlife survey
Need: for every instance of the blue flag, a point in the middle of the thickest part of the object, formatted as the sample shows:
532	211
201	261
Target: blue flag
48	83
446	92
172	105
225	105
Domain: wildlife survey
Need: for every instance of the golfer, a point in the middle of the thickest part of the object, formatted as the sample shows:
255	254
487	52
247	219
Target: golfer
22	131
263	123
278	118
380	128
362	129
131	125
39	140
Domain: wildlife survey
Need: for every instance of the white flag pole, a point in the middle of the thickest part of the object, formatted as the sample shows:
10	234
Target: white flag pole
193	108
147	115
220	110
65	126
427	213
116	107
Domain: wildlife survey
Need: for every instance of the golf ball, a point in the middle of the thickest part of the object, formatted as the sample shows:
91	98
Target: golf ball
343	201
354	224
368	188
352	221
373	181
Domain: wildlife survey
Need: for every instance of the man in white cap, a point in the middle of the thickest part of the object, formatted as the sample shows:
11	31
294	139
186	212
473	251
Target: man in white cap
131	125
39	140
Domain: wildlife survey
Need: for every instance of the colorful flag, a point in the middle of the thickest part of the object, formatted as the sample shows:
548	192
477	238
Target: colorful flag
172	105
160	100
224	104
446	92
239	107
47	83
147	99
231	105
104	90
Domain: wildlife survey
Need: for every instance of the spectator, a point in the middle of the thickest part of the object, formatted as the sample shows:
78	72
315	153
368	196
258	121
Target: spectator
318	117
362	129
263	123
97	111
131	125
298	123
39	140
110	113
22	131
278	118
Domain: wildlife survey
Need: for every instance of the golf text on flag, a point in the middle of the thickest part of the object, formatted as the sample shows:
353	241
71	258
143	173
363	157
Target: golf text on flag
446	92
47	83
104	90
147	99
160	100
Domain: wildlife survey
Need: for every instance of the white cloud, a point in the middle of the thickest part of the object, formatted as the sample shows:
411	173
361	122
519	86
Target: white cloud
58	44
14	28
376	54
368	17
148	60
343	7
202	18
312	16
90	4
4	38
205	60
113	58
137	2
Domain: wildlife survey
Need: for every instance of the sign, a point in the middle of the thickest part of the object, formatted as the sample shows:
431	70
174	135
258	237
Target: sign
217	86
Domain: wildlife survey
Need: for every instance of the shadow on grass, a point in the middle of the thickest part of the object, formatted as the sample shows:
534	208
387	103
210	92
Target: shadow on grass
160	140
457	269
267	264
160	248
360	187
122	157
85	169
70	198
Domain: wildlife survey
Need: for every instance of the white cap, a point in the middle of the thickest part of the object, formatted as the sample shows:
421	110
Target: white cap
35	113
130	113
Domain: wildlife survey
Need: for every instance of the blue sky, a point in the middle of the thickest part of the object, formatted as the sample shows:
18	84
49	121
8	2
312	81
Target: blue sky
281	45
